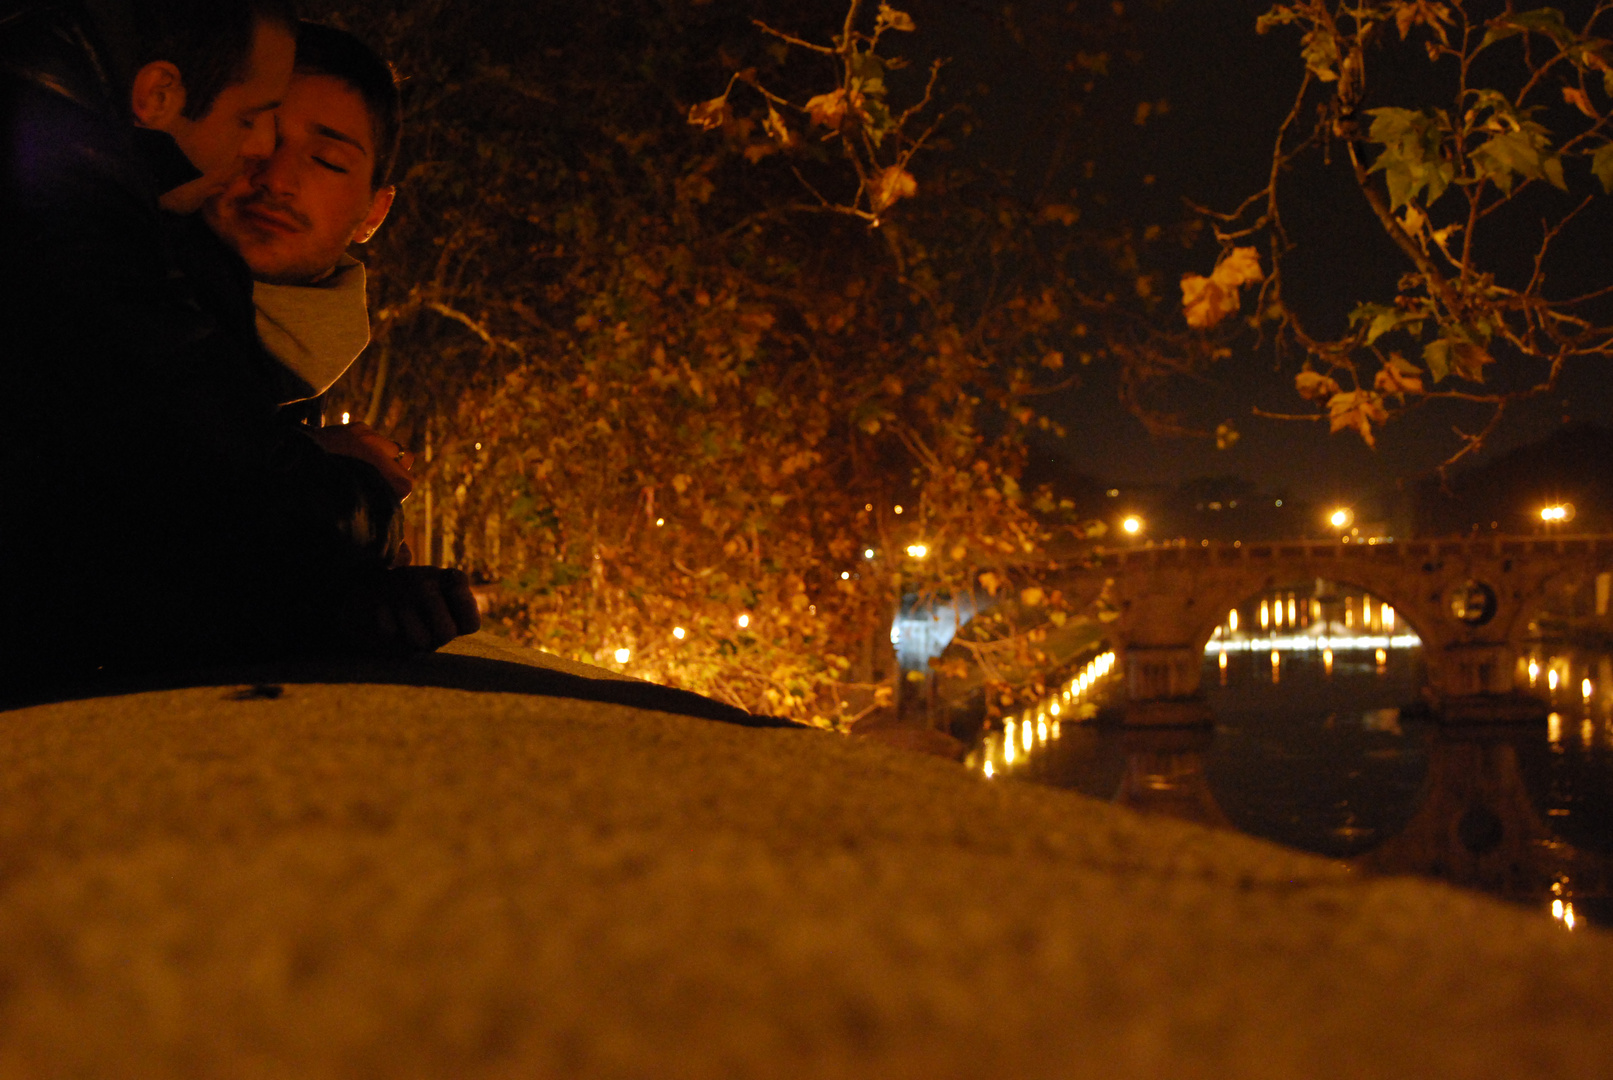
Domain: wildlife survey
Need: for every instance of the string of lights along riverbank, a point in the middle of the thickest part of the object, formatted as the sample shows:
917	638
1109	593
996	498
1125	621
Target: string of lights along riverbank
1042	723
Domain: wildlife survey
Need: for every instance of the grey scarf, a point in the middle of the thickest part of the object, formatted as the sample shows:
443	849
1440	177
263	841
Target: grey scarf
317	330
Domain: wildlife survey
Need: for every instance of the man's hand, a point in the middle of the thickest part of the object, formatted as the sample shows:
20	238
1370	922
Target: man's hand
359	440
416	609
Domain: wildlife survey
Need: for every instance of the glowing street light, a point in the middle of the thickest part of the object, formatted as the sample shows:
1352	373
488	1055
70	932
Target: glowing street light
743	622
623	655
1132	525
1560	514
679	632
1342	518
917	551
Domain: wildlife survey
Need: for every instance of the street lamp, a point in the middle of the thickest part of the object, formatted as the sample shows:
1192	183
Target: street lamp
1341	518
1132	525
1558	514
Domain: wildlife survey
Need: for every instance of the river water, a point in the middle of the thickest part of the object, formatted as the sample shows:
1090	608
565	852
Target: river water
1326	747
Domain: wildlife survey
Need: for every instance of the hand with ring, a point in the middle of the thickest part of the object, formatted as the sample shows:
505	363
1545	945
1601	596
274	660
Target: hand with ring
359	440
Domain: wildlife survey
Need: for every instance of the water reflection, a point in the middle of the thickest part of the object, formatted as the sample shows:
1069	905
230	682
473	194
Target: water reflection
1165	774
1043	723
1481	824
1327	751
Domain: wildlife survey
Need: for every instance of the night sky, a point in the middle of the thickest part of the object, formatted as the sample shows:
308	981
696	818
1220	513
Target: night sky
1228	89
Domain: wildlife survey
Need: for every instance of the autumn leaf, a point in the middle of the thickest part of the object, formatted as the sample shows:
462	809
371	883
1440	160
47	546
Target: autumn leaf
709	114
891	19
1413	159
1399	376
990	582
1204	303
1321	52
1547	21
1208	300
828	110
1602	166
1425	13
1525	152
775	126
1580	100
1358	410
890	185
1032	597
1241	266
1315	386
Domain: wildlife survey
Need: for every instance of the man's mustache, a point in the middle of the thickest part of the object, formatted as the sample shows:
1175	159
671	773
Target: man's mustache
260	200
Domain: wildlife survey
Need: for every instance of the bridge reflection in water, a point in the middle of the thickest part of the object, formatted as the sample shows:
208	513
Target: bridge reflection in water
1325	755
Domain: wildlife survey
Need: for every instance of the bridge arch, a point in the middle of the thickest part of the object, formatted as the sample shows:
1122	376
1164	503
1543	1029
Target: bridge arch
1231	597
1171	598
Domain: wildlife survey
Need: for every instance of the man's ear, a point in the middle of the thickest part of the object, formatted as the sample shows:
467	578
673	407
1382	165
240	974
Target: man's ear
158	97
379	205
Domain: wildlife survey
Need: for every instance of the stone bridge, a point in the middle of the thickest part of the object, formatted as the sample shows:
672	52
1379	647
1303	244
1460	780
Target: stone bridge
1471	601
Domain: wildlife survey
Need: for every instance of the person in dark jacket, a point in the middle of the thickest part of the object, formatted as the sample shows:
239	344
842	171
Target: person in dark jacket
295	215
154	510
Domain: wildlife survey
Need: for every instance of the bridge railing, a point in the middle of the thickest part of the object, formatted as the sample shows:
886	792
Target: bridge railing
1223	553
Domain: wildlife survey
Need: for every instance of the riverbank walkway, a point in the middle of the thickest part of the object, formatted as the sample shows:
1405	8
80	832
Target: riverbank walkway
437	872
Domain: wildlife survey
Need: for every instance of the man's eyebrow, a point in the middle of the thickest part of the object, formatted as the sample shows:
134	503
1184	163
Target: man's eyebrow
339	136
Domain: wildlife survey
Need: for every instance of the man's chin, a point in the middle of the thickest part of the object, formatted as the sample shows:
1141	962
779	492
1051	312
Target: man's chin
276	272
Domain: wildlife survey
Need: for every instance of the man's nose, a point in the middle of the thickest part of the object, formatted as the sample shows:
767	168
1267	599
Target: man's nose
275	173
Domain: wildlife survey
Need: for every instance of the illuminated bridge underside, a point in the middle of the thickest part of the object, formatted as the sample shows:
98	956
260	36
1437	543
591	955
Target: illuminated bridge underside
1172	598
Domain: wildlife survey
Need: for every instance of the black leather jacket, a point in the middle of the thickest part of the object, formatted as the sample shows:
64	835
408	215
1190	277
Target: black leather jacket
154	508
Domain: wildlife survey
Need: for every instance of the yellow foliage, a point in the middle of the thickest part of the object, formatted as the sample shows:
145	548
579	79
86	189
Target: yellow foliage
1208	300
830	110
709	114
891	19
1315	386
1358	410
890	185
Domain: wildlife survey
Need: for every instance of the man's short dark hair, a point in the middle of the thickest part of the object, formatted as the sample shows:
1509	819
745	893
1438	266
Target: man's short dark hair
209	41
325	50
